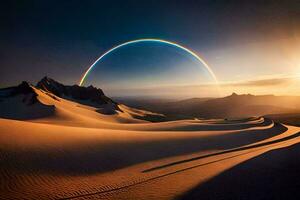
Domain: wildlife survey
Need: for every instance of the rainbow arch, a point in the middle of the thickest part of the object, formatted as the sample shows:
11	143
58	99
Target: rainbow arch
201	60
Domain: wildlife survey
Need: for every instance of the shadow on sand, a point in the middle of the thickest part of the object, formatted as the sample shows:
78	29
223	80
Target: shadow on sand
272	175
97	157
225	125
223	152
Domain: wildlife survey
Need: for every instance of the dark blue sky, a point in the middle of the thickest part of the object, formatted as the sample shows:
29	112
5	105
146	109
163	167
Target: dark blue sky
62	38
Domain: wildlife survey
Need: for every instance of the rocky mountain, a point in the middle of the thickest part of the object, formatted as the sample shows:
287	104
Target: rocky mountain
26	102
86	95
21	102
29	96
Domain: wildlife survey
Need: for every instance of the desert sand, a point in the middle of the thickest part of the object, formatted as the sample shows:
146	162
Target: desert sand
73	151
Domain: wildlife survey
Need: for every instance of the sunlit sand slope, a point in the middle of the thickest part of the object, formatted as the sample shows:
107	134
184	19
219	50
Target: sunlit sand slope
107	159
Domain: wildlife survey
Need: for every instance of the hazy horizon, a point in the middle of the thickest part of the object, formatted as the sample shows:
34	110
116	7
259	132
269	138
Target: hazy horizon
280	86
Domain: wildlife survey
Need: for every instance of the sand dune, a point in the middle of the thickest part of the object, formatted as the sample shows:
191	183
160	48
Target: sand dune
77	152
47	161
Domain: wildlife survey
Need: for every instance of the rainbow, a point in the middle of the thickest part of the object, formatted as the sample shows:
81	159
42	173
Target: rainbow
151	40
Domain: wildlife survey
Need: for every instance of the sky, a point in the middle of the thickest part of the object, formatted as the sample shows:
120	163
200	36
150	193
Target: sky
251	46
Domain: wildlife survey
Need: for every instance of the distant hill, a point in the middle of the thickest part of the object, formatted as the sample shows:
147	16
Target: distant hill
233	106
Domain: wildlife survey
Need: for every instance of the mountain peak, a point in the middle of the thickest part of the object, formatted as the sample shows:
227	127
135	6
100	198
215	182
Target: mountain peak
75	92
25	89
240	95
22	88
45	78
